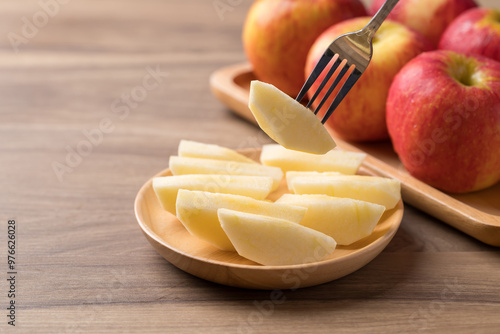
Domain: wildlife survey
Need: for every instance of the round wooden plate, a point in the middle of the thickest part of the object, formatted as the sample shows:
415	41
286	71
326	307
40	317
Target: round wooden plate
192	255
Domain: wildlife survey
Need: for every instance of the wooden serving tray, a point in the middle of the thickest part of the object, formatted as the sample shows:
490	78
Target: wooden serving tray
476	214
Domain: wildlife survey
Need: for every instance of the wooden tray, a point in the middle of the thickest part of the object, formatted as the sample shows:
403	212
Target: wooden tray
189	253
476	214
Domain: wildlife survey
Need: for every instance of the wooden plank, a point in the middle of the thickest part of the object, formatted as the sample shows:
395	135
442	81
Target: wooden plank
83	264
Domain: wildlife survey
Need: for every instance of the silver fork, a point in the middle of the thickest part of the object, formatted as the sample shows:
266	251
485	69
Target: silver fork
349	52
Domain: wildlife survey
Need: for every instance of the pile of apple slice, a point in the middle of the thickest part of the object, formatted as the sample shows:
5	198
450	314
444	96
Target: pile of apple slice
223	198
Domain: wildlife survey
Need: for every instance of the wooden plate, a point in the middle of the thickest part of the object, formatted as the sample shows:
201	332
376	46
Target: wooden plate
476	214
169	237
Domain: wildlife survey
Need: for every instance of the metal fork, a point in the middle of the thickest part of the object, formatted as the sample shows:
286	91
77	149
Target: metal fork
351	53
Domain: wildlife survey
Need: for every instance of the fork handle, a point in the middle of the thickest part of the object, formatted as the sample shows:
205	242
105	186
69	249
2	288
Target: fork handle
372	26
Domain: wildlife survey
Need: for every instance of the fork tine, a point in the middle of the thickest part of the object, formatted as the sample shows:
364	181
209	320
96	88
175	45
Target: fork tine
325	80
320	66
346	87
332	87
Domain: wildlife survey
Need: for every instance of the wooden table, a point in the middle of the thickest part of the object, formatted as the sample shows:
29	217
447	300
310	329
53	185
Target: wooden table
95	95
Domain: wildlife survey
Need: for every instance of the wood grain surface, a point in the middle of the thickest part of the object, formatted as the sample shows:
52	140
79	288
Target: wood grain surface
94	98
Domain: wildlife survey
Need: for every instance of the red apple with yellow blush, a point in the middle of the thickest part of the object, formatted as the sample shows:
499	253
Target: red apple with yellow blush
361	114
277	35
429	17
476	30
443	116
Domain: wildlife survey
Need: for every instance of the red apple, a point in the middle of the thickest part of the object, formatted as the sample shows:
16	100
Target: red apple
278	33
476	30
429	17
443	115
361	115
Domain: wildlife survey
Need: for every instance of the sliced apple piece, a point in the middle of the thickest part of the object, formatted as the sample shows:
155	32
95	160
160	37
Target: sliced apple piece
373	189
274	241
287	121
292	174
335	160
344	219
185	165
193	149
197	211
167	187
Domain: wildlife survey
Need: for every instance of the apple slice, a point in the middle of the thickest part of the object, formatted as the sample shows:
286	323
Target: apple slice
344	219
373	189
287	121
292	174
193	149
197	211
166	187
333	161
185	165
274	241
